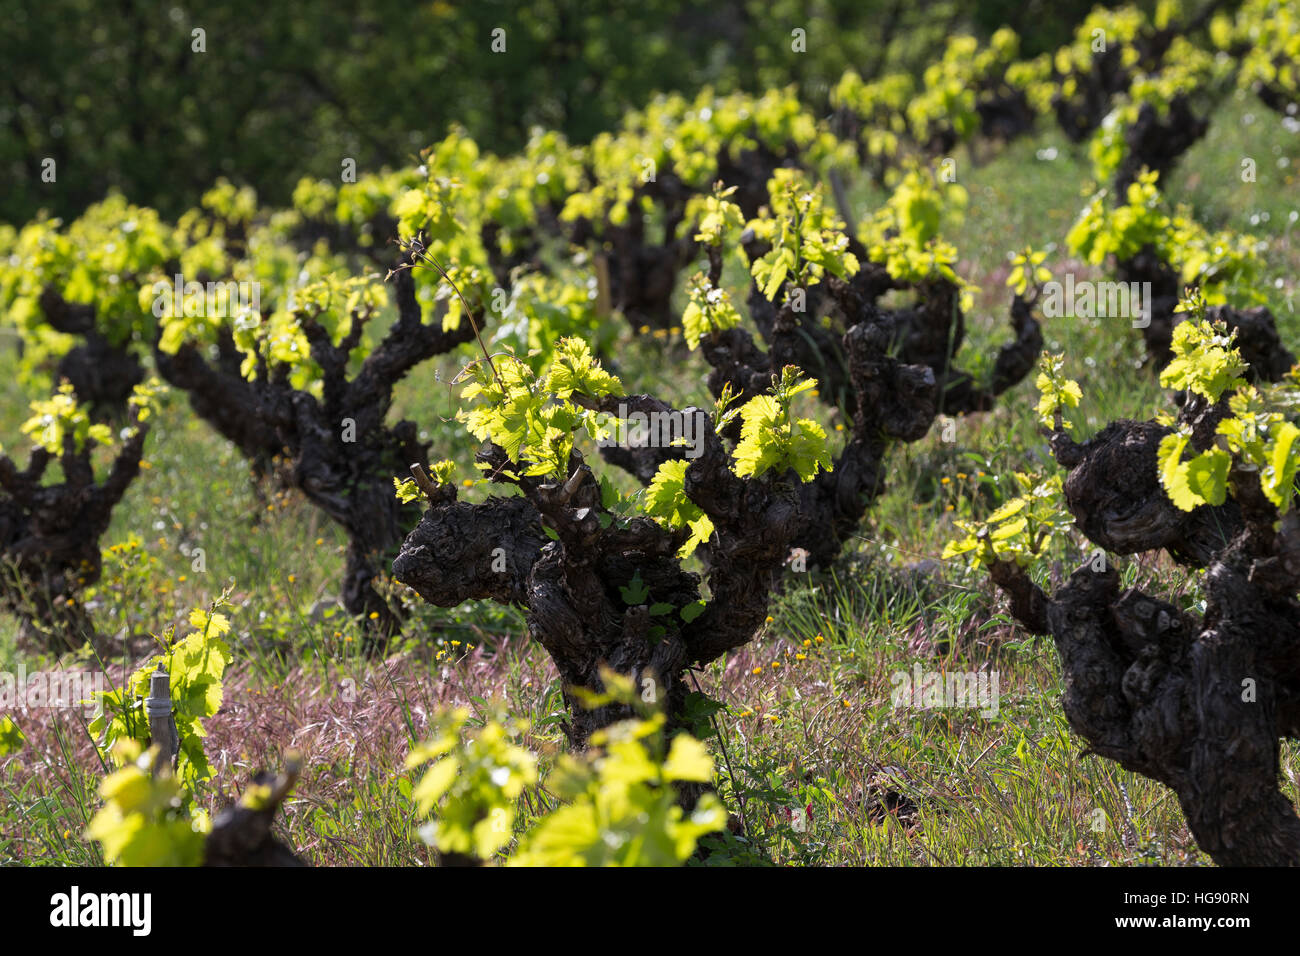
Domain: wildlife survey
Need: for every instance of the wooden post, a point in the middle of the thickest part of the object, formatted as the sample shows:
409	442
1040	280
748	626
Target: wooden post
842	202
162	725
422	481
604	300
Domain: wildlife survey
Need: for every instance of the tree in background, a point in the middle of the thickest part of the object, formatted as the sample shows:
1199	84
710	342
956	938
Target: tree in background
125	100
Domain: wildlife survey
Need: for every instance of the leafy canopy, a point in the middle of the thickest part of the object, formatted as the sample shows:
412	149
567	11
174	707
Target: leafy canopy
771	438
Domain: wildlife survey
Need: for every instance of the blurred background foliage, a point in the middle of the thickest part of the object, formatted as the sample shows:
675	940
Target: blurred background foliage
114	93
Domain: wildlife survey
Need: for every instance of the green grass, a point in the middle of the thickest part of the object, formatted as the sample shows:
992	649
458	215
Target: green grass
967	788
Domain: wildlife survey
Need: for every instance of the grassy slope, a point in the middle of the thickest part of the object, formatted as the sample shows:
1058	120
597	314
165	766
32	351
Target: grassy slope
809	718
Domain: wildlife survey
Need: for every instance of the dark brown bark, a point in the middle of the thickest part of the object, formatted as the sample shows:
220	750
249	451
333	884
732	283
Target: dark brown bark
1157	142
1256	328
102	373
749	171
241	833
1106	75
338	450
1080	114
1114	493
572	587
891	370
49	536
1198	704
643	272
1004	112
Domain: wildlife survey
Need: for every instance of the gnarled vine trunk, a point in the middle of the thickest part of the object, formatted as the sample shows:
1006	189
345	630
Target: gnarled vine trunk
1256	328
1157	141
102	373
605	593
1197	703
49	536
241	833
338	450
573	587
892	370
